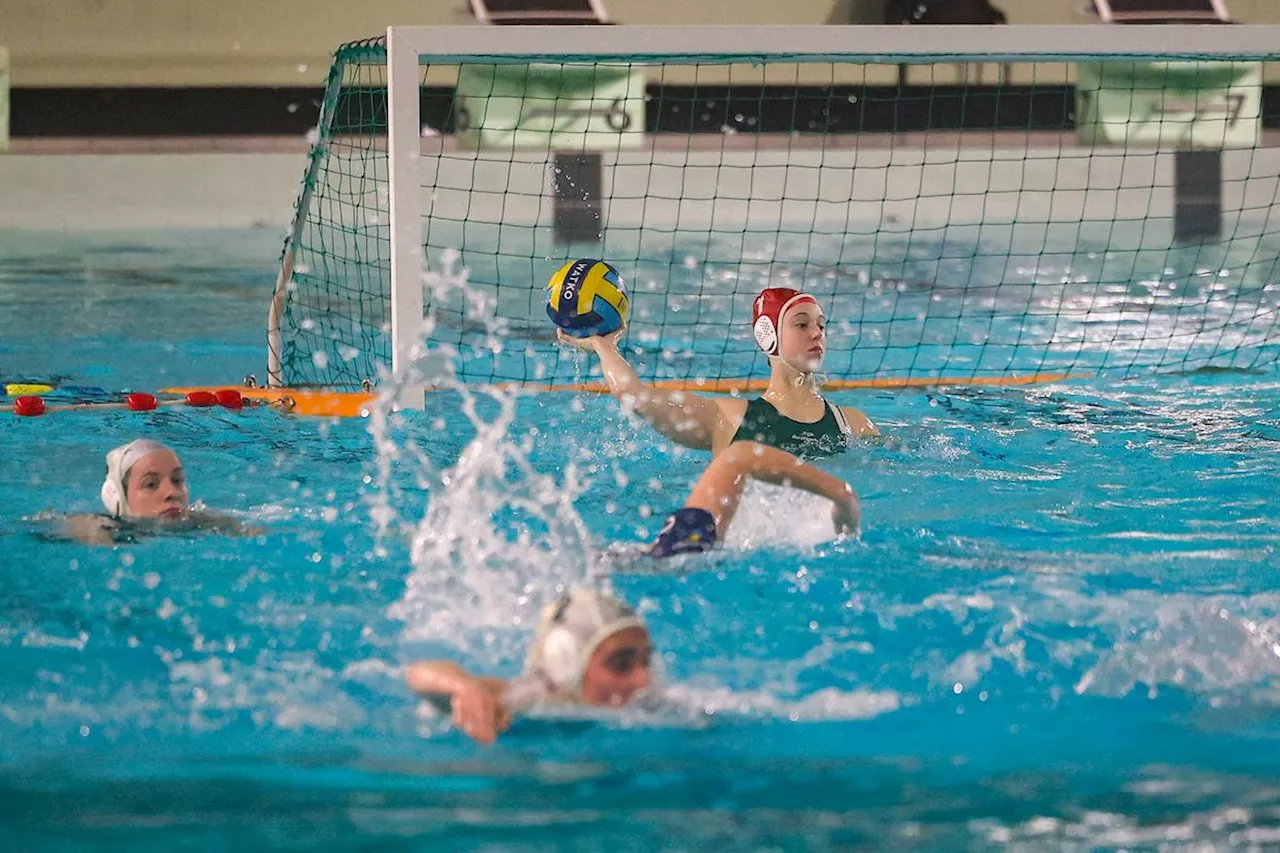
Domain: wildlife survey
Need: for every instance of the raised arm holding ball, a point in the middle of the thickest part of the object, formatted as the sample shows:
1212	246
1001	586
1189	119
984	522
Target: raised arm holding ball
588	303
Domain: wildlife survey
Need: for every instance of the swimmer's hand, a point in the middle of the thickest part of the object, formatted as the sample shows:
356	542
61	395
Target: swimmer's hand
846	514
477	709
593	343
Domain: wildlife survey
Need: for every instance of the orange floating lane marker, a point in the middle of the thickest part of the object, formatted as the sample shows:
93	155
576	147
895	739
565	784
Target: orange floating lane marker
325	403
300	401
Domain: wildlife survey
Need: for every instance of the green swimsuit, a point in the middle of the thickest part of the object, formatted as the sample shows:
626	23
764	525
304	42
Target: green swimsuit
826	437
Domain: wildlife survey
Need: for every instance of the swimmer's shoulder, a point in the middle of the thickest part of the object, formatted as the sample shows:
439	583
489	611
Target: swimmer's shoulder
732	407
860	426
732	411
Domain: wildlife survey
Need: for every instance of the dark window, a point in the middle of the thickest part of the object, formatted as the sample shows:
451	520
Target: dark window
539	11
1161	9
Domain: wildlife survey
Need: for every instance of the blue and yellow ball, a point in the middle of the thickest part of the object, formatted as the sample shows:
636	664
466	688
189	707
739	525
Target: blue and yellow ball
588	297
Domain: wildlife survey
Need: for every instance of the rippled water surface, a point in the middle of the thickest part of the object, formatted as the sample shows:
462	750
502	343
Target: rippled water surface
1060	629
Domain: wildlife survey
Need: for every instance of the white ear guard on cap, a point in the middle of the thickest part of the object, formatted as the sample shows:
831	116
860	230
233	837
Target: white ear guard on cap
119	461
561	653
112	498
766	334
571	629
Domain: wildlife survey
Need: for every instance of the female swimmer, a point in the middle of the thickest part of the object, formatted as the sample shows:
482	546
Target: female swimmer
790	328
145	489
590	650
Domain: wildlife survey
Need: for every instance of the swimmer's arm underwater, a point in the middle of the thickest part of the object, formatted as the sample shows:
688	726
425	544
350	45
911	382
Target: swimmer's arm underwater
686	418
89	529
220	523
476	702
720	488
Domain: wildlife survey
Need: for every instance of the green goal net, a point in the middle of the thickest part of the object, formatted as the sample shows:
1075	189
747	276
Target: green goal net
965	216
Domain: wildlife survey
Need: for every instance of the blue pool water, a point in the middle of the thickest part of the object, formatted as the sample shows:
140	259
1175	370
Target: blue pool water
1060	629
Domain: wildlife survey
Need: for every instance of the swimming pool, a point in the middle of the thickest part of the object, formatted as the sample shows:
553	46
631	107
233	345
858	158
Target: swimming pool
1060	628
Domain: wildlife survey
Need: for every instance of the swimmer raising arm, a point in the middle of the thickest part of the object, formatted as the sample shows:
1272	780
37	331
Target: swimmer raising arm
790	328
590	649
689	419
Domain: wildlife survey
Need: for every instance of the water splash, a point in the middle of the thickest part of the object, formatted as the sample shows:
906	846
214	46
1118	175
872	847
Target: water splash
826	705
496	537
1073	635
777	516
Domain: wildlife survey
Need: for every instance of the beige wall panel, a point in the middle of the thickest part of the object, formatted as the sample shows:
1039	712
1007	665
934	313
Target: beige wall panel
1255	11
281	42
183	42
288	42
55	192
1073	11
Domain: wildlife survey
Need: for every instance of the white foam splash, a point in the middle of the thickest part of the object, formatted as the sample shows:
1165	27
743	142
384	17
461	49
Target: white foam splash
1187	643
497	537
823	705
1221	647
775	516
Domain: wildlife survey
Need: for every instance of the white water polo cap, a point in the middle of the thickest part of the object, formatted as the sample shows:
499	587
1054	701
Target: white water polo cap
119	461
570	630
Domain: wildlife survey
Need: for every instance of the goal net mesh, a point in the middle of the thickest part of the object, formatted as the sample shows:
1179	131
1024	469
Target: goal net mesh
958	222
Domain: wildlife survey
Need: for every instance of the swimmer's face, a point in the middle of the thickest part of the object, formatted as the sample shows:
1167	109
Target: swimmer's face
804	337
618	669
157	487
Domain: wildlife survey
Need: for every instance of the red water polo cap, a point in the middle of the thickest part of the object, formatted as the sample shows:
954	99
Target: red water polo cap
767	312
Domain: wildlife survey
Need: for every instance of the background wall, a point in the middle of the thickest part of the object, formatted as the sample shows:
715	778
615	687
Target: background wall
179	50
91	192
288	42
